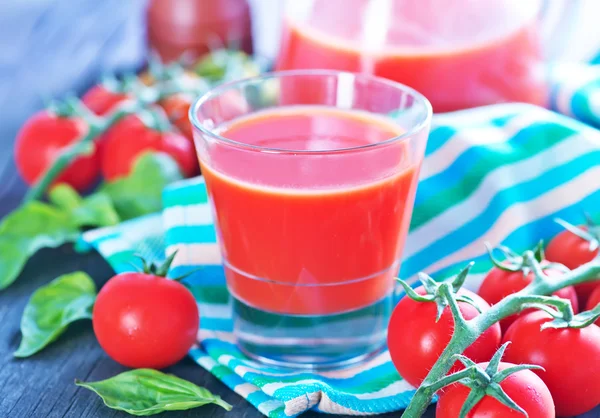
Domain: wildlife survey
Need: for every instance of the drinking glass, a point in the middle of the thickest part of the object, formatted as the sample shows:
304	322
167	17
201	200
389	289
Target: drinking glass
311	177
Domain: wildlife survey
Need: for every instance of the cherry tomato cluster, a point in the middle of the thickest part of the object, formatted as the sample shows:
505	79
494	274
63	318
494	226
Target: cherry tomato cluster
48	133
566	385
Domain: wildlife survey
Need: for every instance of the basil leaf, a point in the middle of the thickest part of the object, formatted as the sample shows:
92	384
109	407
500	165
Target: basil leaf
65	197
38	225
94	210
52	308
140	193
145	392
29	228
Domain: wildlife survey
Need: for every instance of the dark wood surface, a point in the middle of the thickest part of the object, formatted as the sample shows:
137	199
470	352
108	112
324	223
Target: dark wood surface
42	386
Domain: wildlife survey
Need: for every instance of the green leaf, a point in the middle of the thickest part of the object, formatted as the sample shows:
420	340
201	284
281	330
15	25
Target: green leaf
38	225
52	308
145	392
140	193
29	228
226	64
94	210
65	197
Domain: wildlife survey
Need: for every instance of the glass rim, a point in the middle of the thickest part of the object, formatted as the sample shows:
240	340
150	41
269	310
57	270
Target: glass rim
222	88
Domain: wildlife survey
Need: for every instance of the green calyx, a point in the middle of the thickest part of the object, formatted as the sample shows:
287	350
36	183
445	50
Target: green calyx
567	319
161	72
173	77
155	118
72	107
115	85
486	382
162	270
590	233
441	292
514	262
157	270
128	84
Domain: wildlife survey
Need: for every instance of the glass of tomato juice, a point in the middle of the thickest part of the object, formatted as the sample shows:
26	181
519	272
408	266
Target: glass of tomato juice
311	176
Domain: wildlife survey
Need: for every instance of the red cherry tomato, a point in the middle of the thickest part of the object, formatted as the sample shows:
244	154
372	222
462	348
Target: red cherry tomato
524	387
499	283
43	138
570	357
101	100
177	107
416	340
572	251
142	320
129	138
594	301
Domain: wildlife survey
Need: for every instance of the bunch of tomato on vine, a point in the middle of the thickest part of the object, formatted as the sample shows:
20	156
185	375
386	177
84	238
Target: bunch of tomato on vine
565	360
157	127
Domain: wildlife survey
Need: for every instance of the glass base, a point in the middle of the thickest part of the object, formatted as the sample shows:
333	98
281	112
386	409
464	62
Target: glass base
312	342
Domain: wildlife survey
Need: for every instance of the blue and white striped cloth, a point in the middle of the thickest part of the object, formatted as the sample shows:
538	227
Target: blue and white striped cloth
500	174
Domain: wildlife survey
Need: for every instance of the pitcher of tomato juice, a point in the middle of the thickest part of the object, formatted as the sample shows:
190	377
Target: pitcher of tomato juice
457	53
311	177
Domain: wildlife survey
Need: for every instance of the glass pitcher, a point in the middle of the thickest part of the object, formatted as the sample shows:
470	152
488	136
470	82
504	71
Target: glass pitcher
458	53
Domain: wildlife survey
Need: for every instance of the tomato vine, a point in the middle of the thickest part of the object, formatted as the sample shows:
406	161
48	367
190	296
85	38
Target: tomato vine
142	97
467	331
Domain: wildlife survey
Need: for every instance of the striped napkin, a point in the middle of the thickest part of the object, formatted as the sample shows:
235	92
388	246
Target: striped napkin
500	174
576	91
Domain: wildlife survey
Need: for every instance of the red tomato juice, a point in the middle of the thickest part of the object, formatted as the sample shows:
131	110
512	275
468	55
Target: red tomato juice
312	233
457	53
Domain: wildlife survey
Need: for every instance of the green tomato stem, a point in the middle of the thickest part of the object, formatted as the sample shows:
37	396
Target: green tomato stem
452	378
466	333
85	145
446	291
